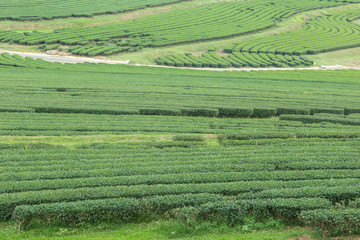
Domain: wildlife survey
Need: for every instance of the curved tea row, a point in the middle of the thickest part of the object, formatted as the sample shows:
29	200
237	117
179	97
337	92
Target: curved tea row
207	22
321	34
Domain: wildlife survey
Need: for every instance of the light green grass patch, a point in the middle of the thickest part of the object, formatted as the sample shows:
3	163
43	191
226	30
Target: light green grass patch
159	230
73	141
347	57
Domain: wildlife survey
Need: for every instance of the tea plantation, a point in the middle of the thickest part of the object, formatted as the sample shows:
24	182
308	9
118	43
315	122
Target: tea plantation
203	22
321	34
206	151
22	10
208	141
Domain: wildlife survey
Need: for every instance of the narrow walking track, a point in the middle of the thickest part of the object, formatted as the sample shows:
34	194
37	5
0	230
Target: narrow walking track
72	59
62	59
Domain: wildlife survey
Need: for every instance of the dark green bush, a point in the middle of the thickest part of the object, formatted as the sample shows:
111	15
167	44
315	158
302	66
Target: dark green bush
334	221
263	113
331	118
297	111
164	112
200	112
178	144
326	110
121	209
190	138
229	212
235	112
16	110
348	111
85	111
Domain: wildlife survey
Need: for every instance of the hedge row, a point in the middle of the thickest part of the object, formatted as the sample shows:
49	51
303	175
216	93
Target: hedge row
236	59
336	119
180	178
9	109
183	207
334	193
121	209
201	112
85	111
334	221
234	212
292	189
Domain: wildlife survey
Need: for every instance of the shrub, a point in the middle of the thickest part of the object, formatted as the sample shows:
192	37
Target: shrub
16	110
336	119
326	110
348	111
51	47
297	111
235	112
200	112
334	221
122	209
190	138
165	112
85	111
230	212
263	113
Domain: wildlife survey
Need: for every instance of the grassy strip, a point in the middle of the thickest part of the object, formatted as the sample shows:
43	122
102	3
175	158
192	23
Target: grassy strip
160	229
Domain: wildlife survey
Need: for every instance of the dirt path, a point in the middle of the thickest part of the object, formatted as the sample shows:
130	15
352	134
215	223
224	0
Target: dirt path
72	59
63	59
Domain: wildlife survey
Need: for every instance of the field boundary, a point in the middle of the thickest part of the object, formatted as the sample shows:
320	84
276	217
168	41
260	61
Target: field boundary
72	59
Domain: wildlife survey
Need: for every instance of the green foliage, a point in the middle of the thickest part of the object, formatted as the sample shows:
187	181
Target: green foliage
197	23
333	193
334	221
281	111
165	112
263	113
226	212
235	112
200	112
51	47
261	169
348	111
174	177
331	118
123	209
23	10
286	49
60	89
191	138
87	111
326	110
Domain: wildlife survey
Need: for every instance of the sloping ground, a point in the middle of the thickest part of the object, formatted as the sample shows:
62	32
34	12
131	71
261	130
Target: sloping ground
324	33
48	9
208	22
208	143
169	89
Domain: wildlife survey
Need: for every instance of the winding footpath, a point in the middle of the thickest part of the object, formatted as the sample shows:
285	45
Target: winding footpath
72	59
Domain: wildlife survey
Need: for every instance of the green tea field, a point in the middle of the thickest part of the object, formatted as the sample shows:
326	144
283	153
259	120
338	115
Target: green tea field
170	146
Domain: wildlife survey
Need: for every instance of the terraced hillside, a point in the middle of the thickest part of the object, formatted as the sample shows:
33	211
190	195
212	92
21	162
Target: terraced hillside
324	33
128	181
88	147
48	9
95	142
203	22
128	90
